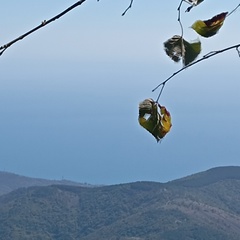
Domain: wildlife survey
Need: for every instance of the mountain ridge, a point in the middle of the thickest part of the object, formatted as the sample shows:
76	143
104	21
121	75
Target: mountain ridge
209	176
11	181
201	206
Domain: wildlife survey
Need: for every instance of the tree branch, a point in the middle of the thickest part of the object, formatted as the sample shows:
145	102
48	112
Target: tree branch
179	17
43	24
208	55
234	9
130	5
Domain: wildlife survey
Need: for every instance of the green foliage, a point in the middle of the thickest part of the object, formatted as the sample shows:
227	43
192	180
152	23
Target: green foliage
202	206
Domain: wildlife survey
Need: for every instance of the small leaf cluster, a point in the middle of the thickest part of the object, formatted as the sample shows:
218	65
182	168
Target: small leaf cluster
179	49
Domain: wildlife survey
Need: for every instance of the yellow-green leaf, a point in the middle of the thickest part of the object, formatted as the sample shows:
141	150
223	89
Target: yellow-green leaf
158	123
165	121
209	27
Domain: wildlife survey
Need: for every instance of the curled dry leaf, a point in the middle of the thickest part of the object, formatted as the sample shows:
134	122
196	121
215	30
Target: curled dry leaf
178	48
193	3
208	28
174	48
154	118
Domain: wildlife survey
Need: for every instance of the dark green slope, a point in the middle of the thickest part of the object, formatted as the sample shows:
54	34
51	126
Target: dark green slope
182	210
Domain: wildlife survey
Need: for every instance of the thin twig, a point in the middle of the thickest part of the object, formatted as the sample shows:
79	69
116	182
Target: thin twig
238	51
130	5
210	54
160	93
179	16
234	10
43	24
189	8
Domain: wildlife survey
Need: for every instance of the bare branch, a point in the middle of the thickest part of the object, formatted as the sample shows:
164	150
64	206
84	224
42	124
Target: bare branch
208	55
179	17
234	9
43	24
130	5
160	93
238	51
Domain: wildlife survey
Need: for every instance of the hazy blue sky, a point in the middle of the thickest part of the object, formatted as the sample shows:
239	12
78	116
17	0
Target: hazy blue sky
69	93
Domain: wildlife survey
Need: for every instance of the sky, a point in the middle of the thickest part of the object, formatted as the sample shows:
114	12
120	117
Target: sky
69	93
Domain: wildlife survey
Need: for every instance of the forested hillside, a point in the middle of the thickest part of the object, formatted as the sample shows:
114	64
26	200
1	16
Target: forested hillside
202	206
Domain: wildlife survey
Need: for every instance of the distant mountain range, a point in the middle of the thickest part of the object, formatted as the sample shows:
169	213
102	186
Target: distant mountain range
11	181
203	206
